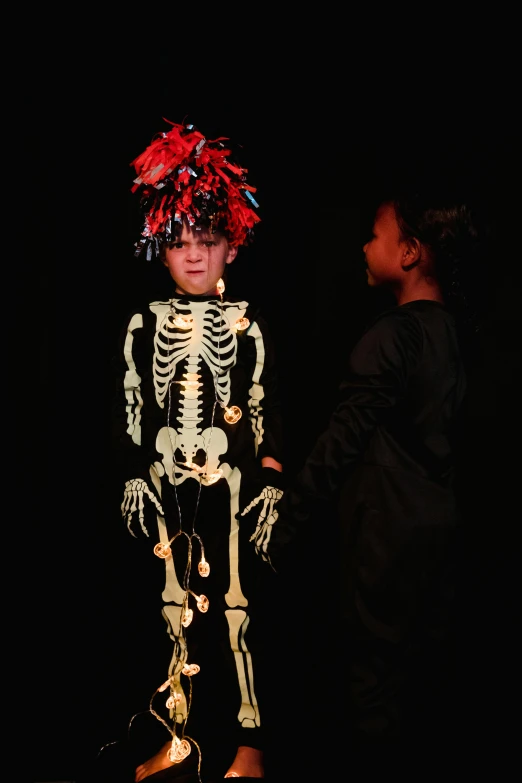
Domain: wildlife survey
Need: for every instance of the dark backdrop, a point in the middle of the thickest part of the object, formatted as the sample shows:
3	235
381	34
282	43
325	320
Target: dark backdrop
318	156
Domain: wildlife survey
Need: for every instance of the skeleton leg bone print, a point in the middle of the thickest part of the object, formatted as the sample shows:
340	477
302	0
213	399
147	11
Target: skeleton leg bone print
238	619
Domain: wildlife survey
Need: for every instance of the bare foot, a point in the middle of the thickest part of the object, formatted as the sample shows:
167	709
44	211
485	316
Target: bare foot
248	763
154	764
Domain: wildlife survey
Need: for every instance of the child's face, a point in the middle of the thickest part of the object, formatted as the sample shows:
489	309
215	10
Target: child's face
196	260
384	252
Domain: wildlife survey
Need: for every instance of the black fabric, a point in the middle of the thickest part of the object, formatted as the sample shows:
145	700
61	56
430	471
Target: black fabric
270	477
378	485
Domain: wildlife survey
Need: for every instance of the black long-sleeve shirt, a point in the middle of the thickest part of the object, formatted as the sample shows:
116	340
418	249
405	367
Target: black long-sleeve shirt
168	379
385	463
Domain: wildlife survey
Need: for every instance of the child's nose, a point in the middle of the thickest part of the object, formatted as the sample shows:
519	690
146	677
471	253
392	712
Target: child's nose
195	254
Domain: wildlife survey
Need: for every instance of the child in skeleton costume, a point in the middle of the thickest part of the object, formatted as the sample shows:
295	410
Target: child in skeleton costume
198	425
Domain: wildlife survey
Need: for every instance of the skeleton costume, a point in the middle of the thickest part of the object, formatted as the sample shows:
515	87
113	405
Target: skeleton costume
189	471
195	412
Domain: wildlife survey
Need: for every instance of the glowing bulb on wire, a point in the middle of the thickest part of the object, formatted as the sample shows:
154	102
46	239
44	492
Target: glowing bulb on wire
213	477
164	686
186	619
189	669
192	466
232	414
173	700
179	750
220	286
203	567
162	550
202	603
190	385
182	321
241	324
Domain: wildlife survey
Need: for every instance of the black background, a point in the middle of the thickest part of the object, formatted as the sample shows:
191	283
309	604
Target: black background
319	141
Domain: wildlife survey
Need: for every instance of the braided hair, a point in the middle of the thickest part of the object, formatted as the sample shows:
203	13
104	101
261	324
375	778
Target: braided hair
451	230
455	230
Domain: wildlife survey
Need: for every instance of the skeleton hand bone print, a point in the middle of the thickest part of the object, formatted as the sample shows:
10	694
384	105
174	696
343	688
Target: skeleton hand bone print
134	496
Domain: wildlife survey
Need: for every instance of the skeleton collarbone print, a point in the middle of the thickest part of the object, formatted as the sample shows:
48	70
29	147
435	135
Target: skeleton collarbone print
196	409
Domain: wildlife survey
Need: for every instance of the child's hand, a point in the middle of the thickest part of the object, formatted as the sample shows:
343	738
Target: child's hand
133	501
265	519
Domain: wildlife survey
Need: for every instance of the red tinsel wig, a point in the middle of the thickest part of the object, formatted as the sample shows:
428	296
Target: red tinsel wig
184	176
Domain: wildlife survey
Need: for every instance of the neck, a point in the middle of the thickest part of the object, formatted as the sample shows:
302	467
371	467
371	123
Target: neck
423	288
182	292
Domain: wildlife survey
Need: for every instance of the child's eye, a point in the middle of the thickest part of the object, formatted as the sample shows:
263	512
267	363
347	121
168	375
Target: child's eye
175	245
210	243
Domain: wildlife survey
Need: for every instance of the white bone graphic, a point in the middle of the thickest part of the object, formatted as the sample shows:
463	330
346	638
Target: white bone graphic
131	383
256	391
238	621
268	515
235	596
210	337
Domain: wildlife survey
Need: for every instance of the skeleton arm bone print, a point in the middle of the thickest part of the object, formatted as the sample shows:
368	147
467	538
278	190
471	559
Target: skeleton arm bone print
265	419
264	403
141	497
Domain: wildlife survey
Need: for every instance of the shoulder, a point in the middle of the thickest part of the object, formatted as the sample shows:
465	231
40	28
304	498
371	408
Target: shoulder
145	315
395	324
251	310
394	339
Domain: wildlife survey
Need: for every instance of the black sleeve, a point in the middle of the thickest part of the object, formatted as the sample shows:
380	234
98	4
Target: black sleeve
377	375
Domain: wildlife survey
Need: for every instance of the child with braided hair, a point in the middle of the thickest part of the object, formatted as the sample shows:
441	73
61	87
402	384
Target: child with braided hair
385	469
198	432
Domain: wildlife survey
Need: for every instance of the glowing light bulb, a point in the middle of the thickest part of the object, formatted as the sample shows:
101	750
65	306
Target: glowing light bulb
182	321
190	385
191	466
203	567
163	551
188	614
232	414
189	669
164	686
241	324
173	700
202	603
179	750
213	477
220	285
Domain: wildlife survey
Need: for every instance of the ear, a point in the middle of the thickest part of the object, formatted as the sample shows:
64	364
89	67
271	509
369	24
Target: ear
411	254
232	253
